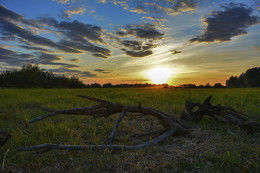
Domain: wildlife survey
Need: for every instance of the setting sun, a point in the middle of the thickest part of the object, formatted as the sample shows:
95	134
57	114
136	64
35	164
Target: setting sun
159	75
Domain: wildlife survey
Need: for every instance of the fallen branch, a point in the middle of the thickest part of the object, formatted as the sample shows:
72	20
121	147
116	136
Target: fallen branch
220	113
105	109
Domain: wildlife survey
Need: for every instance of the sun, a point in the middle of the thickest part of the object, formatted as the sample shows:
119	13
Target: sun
159	75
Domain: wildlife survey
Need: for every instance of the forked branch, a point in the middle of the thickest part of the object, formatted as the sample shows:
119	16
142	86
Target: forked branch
105	109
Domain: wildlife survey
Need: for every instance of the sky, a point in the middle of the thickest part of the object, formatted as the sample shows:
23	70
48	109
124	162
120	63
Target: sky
122	41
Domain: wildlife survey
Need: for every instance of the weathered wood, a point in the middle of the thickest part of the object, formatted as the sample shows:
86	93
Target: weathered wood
118	121
47	147
105	109
225	114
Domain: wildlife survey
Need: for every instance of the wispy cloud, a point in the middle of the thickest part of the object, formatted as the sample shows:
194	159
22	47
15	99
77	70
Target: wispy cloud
70	72
103	71
78	10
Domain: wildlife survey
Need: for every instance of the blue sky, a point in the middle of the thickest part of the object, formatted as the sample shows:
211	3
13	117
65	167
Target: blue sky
111	41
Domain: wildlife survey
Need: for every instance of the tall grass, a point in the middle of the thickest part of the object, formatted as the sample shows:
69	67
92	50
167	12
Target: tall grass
210	147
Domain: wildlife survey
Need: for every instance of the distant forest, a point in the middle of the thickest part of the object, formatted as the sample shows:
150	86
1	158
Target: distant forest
31	76
251	78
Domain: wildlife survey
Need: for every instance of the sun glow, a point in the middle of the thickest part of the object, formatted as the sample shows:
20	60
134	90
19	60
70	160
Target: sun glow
159	75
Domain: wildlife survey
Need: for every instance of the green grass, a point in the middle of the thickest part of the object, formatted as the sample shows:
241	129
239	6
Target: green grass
210	147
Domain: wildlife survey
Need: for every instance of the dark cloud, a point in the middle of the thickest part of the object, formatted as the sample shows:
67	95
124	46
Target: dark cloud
99	55
73	72
176	52
74	60
77	36
103	71
232	20
81	32
121	34
86	47
142	53
12	58
35	48
133	44
10	28
49	59
145	35
146	31
138	45
6	14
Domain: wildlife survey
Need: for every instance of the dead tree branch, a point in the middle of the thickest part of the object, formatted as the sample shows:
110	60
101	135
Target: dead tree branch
105	109
220	113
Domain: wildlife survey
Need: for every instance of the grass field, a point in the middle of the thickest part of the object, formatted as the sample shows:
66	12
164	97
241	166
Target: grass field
209	147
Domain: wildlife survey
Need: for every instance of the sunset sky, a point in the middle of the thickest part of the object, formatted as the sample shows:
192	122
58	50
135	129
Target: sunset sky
110	41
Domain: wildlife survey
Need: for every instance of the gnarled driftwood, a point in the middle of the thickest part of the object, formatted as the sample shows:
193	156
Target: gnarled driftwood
220	113
105	109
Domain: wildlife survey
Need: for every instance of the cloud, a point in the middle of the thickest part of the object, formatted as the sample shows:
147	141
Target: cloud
232	20
77	36
87	47
70	72
99	55
103	71
49	59
12	29
174	7
74	60
168	7
81	32
67	13
144	37
137	48
146	31
62	1
35	48
154	18
12	58
142	53
6	14
175	52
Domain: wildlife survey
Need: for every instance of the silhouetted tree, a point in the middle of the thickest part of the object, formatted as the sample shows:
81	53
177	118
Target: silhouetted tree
251	78
218	85
31	76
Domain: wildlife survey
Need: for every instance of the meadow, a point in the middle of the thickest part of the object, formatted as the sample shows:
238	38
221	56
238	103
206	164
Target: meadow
209	147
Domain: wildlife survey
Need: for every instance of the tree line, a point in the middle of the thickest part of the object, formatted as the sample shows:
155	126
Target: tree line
251	78
31	76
